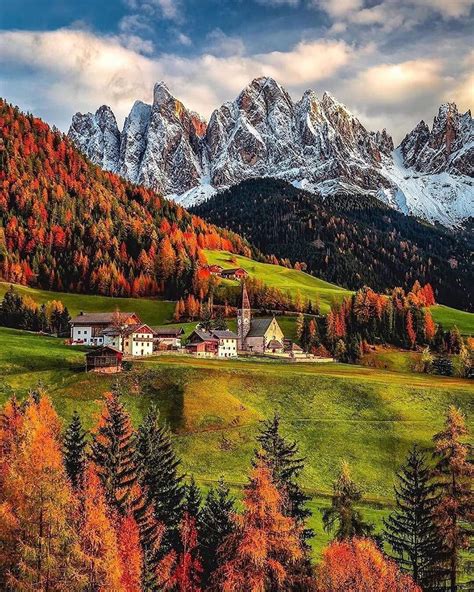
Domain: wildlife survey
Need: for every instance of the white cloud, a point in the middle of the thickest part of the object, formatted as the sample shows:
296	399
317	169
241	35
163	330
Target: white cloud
77	70
398	83
218	43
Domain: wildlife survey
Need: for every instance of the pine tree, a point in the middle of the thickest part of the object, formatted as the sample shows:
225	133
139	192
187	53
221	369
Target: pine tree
281	456
341	514
454	511
159	474
74	452
112	452
215	524
193	499
410	529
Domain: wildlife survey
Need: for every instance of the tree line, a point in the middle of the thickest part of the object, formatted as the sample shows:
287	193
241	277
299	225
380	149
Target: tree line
112	511
348	240
23	312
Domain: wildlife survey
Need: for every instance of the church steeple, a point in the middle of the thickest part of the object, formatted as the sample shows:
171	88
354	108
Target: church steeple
244	318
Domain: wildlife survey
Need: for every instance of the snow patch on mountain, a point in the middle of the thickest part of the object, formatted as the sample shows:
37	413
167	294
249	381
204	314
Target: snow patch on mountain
316	144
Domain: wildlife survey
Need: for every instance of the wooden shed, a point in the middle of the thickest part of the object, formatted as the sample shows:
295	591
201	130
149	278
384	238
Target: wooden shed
105	359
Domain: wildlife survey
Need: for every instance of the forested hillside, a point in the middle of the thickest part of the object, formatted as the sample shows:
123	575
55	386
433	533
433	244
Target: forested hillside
65	224
350	242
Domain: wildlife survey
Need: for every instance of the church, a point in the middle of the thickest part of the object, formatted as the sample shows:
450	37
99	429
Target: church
257	335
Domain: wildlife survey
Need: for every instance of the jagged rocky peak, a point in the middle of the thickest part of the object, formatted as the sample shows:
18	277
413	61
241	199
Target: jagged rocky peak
98	136
447	147
171	161
133	141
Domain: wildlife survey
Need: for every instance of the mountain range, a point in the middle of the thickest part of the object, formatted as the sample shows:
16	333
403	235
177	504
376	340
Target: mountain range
315	143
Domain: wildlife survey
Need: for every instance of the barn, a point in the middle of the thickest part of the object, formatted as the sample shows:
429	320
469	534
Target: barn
105	359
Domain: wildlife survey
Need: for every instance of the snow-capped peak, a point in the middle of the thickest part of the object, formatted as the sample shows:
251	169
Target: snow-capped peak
315	143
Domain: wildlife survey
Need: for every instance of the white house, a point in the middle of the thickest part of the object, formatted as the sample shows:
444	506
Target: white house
138	340
227	347
87	327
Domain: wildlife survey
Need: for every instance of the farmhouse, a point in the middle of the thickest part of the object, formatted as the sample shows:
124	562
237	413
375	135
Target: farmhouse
87	327
138	340
105	359
168	338
221	344
236	273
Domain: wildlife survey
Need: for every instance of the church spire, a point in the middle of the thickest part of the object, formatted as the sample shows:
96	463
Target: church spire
244	319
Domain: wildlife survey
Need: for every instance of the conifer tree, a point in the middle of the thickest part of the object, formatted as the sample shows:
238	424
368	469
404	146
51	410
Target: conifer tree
74	452
186	572
193	499
342	515
454	512
159	474
112	451
214	526
282	458
410	529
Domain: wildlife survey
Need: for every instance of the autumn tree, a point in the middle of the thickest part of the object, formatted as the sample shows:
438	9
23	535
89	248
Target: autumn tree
130	553
282	458
266	546
359	566
454	512
410	529
38	507
342	516
74	450
98	537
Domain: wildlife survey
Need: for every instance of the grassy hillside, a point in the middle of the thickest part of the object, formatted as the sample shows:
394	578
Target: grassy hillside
282	278
150	311
448	317
309	286
368	416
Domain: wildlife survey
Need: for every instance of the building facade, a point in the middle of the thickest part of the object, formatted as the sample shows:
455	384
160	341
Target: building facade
87	328
138	341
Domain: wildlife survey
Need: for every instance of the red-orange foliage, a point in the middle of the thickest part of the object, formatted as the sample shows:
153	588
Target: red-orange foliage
66	224
130	554
359	566
411	333
185	568
266	546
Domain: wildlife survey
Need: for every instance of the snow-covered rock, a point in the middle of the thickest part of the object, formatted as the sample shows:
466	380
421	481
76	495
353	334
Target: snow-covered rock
314	143
98	136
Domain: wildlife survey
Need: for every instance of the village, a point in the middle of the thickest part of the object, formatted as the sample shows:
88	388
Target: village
119	336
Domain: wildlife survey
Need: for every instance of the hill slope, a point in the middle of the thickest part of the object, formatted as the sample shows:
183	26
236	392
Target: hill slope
349	242
65	224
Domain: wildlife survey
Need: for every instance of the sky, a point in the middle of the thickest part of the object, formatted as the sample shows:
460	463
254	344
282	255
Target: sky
391	62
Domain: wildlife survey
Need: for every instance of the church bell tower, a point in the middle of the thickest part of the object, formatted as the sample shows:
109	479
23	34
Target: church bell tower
244	315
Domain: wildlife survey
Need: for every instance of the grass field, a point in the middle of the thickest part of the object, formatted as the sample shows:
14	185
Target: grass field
448	317
151	311
368	416
282	278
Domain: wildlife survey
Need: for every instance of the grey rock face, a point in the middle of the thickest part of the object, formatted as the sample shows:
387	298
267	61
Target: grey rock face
314	142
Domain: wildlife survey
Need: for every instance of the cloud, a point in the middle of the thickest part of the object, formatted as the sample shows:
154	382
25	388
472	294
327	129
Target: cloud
391	15
167	9
94	70
388	84
218	43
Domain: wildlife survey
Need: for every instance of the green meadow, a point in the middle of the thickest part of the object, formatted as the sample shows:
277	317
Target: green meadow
368	416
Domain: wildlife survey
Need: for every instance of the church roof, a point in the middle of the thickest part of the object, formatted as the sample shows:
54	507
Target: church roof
258	327
274	344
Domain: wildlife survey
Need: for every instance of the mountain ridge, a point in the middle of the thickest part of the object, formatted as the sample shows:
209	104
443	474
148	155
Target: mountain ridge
317	144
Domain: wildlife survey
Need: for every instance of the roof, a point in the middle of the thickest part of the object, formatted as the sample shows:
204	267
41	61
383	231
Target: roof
203	335
224	334
168	331
258	327
274	344
293	347
99	350
136	329
99	318
232	270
